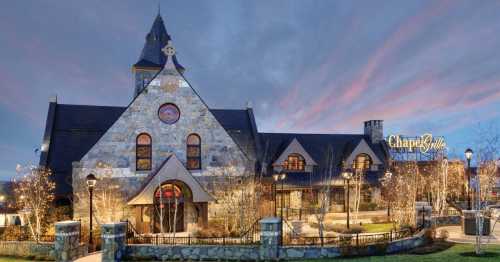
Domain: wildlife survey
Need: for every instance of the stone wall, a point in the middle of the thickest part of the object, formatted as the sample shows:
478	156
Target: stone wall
198	252
311	252
113	156
27	249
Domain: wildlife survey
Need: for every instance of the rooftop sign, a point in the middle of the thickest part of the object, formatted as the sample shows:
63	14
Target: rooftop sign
424	143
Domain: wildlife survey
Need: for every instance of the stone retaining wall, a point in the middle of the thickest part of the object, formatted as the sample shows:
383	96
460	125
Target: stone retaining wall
245	253
27	249
198	252
310	252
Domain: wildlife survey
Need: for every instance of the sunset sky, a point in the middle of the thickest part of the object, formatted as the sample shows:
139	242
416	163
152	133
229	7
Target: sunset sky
306	66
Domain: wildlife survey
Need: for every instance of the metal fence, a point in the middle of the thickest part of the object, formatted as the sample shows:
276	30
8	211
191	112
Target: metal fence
189	240
249	237
346	239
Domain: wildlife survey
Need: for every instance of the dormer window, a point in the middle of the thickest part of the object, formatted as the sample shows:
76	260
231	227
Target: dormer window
362	162
295	162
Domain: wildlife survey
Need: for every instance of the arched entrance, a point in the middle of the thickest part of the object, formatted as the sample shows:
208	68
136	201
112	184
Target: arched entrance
170	200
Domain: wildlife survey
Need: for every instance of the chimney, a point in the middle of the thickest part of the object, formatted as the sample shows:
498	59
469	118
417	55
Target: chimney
375	130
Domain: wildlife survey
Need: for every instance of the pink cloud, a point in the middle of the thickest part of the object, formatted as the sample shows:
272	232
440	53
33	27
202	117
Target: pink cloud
350	93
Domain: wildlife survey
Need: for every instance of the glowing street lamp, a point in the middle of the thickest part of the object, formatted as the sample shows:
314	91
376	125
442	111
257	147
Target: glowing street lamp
91	182
468	156
347	175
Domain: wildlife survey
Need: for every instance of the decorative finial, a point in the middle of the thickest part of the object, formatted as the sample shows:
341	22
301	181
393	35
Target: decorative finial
169	49
159	7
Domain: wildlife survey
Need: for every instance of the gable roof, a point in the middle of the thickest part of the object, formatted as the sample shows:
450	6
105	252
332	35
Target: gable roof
295	147
76	128
170	170
317	145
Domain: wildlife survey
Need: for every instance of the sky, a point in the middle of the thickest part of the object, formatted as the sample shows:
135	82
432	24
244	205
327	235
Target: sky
305	66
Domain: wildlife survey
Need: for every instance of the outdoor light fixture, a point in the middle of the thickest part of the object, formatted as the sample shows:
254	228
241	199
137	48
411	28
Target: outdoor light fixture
91	182
468	156
347	175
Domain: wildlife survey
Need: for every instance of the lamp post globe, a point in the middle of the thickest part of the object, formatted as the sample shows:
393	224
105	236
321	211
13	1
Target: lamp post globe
91	182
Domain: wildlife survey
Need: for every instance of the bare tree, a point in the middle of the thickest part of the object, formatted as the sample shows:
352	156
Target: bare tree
34	193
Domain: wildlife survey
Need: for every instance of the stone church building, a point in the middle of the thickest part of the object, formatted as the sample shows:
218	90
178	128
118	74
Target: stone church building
168	148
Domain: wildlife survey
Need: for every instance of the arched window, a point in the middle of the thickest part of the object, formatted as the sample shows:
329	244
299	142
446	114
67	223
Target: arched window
193	152
362	162
295	162
143	152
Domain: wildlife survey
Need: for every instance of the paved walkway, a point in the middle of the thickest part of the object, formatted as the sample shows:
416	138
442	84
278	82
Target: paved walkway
90	258
456	235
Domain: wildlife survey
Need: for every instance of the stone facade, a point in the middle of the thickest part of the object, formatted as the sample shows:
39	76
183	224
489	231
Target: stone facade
113	241
27	249
67	245
113	156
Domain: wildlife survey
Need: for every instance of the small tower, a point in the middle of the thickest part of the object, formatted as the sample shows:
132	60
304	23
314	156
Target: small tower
152	57
375	130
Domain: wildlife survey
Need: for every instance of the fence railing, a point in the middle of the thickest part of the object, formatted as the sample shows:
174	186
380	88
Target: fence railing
249	236
347	239
189	240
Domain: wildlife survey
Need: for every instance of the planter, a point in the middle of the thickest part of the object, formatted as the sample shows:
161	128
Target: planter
469	223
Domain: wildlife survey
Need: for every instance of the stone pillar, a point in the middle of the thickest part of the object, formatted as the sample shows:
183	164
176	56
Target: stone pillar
67	241
113	241
270	237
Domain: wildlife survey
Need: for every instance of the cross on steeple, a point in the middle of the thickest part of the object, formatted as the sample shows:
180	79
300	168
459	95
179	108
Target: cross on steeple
169	49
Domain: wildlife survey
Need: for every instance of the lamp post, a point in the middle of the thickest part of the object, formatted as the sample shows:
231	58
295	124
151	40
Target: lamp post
347	175
468	156
387	178
91	181
280	177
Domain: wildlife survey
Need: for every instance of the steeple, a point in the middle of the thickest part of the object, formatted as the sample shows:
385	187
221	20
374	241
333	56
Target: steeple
156	39
152	57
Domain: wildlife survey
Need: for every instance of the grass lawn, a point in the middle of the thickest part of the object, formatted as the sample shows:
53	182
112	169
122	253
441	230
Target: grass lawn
13	259
439	252
373	228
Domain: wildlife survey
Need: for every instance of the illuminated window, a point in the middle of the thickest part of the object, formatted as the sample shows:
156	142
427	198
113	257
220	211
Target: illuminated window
295	162
143	152
169	191
193	152
362	162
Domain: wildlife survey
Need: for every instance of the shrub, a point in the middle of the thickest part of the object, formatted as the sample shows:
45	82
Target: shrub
443	234
13	232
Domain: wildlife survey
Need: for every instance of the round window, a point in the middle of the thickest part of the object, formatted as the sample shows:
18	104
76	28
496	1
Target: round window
169	113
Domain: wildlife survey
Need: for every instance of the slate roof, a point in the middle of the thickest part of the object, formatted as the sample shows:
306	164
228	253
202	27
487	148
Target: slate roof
76	128
317	145
152	54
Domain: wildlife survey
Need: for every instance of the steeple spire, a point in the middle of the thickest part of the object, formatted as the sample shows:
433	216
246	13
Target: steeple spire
152	57
156	39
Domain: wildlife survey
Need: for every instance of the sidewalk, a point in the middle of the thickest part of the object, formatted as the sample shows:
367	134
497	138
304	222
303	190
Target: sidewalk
94	257
456	235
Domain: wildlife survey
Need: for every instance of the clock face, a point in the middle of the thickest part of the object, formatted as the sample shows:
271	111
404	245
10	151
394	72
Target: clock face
169	113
